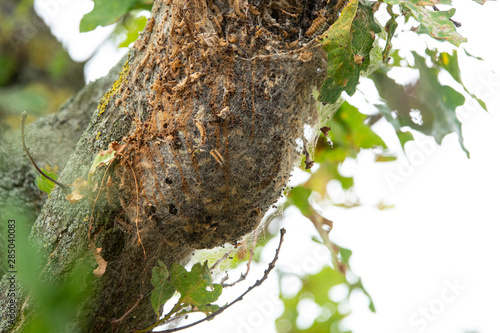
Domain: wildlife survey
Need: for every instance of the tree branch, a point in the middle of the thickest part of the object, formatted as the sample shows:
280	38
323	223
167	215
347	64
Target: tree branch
256	284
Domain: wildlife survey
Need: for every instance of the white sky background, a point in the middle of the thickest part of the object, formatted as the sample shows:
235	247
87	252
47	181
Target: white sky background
443	231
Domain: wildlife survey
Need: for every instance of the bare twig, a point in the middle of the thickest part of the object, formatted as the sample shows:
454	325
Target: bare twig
256	284
250	257
116	321
221	259
27	150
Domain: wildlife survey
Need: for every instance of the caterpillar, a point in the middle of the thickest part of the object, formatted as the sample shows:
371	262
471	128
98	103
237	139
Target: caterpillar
319	22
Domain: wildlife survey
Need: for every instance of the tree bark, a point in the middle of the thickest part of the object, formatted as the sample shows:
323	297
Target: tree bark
207	110
52	140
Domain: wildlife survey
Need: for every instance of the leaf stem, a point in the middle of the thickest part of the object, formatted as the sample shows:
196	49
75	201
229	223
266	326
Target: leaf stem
27	150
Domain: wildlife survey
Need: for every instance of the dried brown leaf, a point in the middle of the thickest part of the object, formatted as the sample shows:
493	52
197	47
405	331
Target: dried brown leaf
99	271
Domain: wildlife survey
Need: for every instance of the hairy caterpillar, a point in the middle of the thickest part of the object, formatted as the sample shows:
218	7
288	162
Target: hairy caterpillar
319	22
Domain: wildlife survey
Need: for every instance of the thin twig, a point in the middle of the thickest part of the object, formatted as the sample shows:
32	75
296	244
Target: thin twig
27	150
256	284
457	24
250	257
116	321
221	259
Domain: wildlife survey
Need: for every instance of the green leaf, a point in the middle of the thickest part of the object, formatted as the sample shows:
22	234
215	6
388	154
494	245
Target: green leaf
299	196
319	284
104	157
347	43
133	26
435	23
349	133
345	254
315	287
207	309
105	12
45	184
359	285
404	137
449	62
472	56
163	290
356	133
196	286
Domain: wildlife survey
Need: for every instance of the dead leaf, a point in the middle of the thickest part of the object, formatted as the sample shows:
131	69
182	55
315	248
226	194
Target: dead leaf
99	271
79	186
117	147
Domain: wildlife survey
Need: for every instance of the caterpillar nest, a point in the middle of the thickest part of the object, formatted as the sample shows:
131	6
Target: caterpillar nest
221	98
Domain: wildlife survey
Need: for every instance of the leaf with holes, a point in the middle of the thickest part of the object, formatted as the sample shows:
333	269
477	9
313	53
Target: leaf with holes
435	23
347	43
434	103
196	287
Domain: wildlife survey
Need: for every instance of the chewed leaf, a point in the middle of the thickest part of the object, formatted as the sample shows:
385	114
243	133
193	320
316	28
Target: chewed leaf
347	43
163	289
43	183
196	287
435	23
433	102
